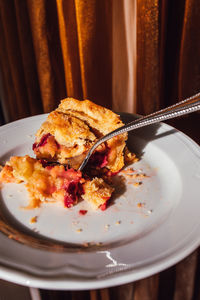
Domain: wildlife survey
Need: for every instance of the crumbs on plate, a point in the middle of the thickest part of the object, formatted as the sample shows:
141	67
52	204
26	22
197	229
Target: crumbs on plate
33	220
118	222
141	204
134	177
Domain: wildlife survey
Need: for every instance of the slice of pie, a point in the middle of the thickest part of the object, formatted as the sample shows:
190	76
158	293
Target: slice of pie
61	144
46	183
71	130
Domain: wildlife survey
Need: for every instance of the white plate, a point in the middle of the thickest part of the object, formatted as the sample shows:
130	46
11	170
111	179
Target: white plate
64	250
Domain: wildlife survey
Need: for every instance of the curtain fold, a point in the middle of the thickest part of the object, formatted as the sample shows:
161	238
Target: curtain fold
28	63
70	50
85	49
85	35
38	21
148	56
12	67
94	29
124	56
189	70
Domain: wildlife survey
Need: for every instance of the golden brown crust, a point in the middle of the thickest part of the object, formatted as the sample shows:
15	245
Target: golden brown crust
97	192
76	125
66	129
96	116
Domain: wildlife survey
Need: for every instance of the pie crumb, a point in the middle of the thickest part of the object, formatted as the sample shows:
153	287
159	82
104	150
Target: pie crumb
33	220
118	223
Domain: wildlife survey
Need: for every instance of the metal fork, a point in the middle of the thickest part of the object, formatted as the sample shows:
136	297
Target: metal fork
184	107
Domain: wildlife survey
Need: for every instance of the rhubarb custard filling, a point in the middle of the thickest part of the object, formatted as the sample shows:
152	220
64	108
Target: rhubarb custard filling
55	183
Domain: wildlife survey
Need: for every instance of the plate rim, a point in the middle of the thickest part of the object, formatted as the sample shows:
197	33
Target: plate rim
21	277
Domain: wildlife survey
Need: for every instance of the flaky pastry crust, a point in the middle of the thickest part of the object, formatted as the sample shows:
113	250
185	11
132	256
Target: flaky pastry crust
76	125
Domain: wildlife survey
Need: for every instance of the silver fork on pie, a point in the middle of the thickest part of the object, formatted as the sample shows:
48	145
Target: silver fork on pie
181	108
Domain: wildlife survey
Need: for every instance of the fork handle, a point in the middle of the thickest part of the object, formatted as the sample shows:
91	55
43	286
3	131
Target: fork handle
181	108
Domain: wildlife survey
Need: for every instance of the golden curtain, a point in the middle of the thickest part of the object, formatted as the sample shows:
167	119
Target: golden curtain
53	49
56	48
168	47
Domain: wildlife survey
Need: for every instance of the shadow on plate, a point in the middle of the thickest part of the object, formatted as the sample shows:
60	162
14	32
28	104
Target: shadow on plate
146	134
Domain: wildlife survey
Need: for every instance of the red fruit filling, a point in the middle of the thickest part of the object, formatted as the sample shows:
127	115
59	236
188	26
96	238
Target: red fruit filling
70	183
99	159
82	212
73	191
45	163
103	206
44	141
